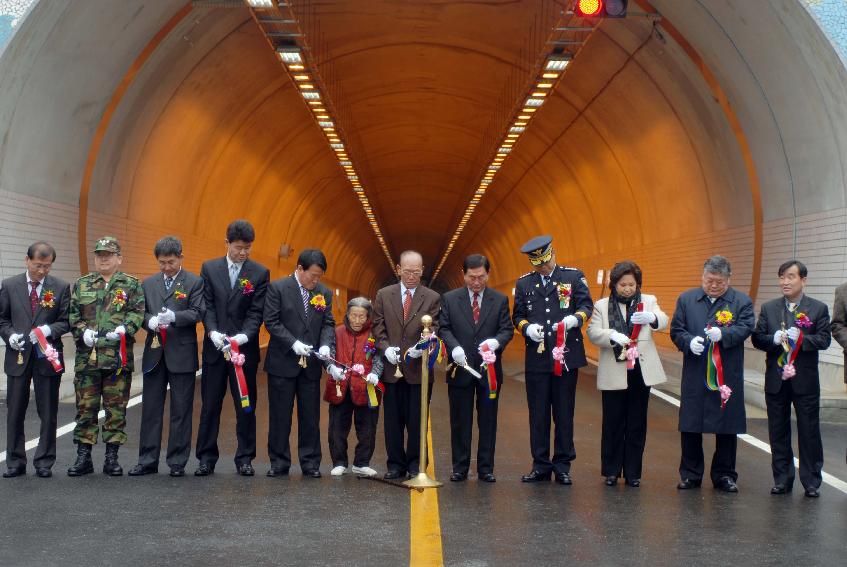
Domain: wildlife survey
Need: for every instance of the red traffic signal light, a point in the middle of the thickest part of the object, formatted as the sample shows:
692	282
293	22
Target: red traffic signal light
600	8
588	8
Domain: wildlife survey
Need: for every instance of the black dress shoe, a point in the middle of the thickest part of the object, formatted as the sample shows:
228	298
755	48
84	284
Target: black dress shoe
246	469
611	480
12	473
177	471
812	492
780	488
394	475
633	482
726	484
313	473
458	477
687	484
535	476
277	472
487	477
204	470
43	472
564	478
141	470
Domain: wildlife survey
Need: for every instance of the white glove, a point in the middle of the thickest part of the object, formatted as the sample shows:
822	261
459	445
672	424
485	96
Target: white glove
392	354
643	318
779	336
415	353
493	344
372	379
714	334
88	337
167	317
323	352
459	356
535	332
45	330
336	373
619	338
240	339
697	346
116	334
16	341
217	339
153	323
569	322
300	349
793	333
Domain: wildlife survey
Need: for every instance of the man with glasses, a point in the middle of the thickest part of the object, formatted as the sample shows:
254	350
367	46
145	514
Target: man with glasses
398	309
29	301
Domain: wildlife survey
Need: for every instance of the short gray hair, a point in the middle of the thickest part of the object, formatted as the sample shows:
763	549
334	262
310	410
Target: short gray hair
362	302
717	265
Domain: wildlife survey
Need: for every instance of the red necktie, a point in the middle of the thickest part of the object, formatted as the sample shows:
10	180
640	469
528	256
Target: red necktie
475	307
407	304
33	297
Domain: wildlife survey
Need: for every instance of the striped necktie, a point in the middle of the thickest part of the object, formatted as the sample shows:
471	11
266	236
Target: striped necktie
169	281
475	307
407	304
305	293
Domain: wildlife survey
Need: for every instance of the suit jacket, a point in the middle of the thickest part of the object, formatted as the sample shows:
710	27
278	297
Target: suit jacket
233	310
287	321
180	345
391	330
816	338
16	317
611	373
839	321
456	328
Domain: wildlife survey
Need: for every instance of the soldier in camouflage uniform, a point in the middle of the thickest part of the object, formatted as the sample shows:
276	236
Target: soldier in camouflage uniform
105	305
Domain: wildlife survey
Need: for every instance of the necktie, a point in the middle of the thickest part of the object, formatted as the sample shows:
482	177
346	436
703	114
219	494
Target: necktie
168	283
475	308
407	303
544	281
304	292
233	275
792	307
33	296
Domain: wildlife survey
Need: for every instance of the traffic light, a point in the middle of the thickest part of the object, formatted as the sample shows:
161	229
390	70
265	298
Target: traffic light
600	8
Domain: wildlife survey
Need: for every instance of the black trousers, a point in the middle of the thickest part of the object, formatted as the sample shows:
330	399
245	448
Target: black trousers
550	395
47	405
213	386
807	410
341	418
624	427
155	386
281	395
461	426
402	425
692	466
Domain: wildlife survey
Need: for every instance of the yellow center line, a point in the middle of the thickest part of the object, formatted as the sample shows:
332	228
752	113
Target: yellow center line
425	522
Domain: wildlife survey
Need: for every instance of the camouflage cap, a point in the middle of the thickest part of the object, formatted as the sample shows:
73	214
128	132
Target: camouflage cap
108	244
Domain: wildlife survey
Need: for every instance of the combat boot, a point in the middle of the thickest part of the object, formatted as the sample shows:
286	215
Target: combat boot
111	466
83	464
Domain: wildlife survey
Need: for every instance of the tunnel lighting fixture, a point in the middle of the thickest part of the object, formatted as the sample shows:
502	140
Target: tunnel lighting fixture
557	63
289	55
260	3
530	102
550	76
326	124
302	78
296	67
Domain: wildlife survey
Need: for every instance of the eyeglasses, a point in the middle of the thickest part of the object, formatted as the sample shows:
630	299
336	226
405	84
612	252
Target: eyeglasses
411	272
41	266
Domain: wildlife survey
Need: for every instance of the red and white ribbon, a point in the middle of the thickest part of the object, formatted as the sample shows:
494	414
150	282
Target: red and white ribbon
559	351
237	359
48	351
489	357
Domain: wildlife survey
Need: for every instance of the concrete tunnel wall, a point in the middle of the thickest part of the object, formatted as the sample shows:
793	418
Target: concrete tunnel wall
633	156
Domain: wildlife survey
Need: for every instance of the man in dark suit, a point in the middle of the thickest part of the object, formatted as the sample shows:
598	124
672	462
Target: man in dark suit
474	318
174	305
234	289
298	316
29	301
398	309
549	296
793	322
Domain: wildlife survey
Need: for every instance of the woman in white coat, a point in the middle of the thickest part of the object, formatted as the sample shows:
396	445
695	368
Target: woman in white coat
626	392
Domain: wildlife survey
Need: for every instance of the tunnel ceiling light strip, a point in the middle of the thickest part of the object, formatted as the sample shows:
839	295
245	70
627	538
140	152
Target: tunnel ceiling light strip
296	59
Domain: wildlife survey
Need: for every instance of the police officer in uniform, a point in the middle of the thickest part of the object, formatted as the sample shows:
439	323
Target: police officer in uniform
549	296
107	308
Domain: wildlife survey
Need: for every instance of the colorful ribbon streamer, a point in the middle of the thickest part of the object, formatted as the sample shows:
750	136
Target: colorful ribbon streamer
559	351
785	362
237	359
437	350
47	351
714	373
489	357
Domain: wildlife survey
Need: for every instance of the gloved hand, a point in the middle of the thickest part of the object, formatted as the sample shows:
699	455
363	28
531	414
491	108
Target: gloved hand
301	349
16	341
643	318
793	333
493	344
116	334
89	336
392	354
217	339
619	338
779	336
372	379
240	339
153	323
535	332
336	373
415	353
697	347
714	334
45	330
323	352
166	317
459	356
